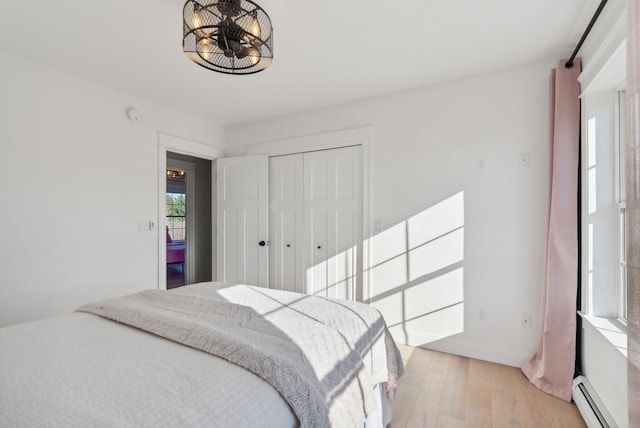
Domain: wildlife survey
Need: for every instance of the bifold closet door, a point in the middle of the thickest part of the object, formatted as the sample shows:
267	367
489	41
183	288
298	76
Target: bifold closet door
286	223
332	221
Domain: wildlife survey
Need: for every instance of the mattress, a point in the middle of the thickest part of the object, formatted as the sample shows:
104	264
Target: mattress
83	370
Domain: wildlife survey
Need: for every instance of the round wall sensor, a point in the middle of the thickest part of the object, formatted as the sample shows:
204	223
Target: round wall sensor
133	115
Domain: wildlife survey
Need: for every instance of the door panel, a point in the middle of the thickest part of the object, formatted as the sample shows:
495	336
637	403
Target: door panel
286	227
316	179
345	171
333	213
317	252
346	252
243	220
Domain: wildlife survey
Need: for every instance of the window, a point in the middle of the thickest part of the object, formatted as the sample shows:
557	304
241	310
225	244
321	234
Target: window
176	211
622	208
603	205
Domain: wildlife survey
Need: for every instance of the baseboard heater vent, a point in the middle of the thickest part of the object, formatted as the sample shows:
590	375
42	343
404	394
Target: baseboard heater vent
591	408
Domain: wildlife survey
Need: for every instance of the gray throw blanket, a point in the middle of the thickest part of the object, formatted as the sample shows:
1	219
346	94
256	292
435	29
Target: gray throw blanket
324	356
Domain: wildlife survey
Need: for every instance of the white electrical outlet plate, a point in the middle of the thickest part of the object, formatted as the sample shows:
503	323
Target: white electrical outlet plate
525	320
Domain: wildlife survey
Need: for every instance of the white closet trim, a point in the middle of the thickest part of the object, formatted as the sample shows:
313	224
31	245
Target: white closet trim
331	140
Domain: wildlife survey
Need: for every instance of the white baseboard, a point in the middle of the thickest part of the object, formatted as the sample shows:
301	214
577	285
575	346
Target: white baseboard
487	353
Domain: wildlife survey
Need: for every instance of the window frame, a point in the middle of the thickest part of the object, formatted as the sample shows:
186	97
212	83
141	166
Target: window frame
620	194
184	217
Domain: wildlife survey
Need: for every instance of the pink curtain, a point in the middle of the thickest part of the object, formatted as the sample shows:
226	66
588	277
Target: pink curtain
632	154
551	368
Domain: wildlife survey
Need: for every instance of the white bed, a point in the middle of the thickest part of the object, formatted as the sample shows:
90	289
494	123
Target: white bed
84	370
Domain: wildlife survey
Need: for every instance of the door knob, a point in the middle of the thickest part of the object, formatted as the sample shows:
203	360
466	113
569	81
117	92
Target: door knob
319	247
262	243
288	245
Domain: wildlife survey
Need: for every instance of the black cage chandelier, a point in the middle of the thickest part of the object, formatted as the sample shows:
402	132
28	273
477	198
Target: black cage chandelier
229	36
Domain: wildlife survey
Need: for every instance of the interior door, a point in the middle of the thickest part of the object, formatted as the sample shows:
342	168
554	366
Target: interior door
333	221
286	223
243	220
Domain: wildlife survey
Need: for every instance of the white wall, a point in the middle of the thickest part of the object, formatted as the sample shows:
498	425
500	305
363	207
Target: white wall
77	177
424	153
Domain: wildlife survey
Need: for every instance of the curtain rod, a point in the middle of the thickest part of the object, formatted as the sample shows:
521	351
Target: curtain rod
569	63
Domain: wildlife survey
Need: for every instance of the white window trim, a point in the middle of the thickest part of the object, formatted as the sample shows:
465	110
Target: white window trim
605	72
621	202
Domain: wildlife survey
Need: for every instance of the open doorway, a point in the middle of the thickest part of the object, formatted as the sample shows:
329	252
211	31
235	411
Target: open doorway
188	219
176	221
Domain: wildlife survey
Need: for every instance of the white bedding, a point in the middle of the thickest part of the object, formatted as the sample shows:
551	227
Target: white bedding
120	376
82	370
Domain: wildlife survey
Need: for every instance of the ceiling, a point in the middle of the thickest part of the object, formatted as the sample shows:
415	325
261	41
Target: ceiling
325	52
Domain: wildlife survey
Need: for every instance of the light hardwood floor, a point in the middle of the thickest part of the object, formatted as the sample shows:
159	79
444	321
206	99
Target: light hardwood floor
444	390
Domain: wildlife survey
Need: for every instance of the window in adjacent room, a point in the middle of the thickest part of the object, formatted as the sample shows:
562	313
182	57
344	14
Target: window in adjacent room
176	216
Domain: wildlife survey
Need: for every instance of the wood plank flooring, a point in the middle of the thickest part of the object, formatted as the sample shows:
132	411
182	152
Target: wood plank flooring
444	390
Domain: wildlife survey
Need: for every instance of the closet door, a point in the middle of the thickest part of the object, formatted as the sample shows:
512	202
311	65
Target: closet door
286	223
243	220
333	221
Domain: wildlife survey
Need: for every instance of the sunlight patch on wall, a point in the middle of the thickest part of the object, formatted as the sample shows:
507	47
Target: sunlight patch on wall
436	221
437	254
416	276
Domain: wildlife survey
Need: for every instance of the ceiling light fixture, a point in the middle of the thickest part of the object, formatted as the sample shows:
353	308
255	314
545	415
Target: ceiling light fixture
228	36
172	173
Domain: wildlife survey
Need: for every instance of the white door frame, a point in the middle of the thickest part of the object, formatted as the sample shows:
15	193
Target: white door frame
170	143
333	140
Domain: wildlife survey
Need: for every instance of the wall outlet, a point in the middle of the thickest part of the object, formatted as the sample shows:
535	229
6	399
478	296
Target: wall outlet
525	320
483	315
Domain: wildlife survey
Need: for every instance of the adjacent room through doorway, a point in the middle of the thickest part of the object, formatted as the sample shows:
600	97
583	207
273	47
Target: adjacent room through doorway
188	220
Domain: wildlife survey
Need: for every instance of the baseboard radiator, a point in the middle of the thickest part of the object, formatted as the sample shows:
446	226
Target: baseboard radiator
591	408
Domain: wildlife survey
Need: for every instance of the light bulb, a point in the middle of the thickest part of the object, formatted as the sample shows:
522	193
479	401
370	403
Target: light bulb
255	29
206	52
253	55
197	20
